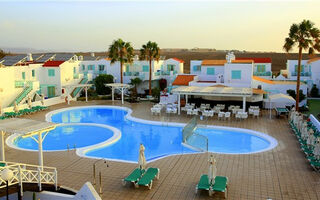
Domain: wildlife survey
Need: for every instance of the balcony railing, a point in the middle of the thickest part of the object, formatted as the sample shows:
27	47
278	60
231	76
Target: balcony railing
19	84
301	74
262	73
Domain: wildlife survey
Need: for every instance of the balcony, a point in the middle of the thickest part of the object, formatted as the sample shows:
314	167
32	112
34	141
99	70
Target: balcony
305	74
19	84
75	76
262	73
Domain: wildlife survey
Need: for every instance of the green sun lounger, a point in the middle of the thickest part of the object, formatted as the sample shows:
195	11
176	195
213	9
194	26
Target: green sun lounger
134	176
203	183
220	185
148	177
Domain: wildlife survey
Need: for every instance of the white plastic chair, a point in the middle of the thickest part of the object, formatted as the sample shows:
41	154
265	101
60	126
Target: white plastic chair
244	115
189	112
256	113
220	115
195	111
227	115
238	116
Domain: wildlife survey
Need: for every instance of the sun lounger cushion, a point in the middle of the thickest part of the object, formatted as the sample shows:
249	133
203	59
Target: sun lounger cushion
220	184
148	177
135	175
204	183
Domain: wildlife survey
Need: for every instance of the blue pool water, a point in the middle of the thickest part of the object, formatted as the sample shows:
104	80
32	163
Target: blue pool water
159	141
70	135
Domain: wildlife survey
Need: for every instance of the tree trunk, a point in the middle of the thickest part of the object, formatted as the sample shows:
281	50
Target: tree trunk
121	72
298	79
150	76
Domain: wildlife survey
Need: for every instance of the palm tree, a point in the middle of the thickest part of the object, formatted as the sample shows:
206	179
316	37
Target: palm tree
121	51
150	52
306	37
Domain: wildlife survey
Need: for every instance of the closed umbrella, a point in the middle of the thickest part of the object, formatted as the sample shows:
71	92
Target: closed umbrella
212	169
142	159
29	102
316	150
16	108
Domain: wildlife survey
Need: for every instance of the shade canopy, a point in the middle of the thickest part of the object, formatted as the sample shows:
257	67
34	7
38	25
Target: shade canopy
279	101
213	91
25	126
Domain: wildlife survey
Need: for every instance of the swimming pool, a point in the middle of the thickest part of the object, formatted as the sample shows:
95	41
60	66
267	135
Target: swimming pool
111	132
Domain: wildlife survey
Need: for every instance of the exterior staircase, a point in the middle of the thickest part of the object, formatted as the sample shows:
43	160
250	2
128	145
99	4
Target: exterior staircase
76	90
22	94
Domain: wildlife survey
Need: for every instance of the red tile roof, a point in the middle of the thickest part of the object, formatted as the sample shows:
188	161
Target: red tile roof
183	79
52	63
213	62
177	59
257	60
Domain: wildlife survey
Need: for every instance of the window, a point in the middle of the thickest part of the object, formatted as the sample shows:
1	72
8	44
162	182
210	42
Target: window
145	68
33	73
302	68
127	68
23	75
261	68
74	70
101	67
236	74
210	71
51	72
170	67
83	67
91	67
196	68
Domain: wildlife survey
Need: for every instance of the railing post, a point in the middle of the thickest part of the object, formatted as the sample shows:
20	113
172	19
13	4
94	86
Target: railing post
56	179
20	181
39	177
100	184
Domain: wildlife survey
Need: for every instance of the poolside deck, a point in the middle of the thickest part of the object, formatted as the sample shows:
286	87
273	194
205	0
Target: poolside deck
282	173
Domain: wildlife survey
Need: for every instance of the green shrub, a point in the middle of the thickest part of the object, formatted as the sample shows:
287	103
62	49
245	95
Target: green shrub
293	94
156	93
314	91
100	81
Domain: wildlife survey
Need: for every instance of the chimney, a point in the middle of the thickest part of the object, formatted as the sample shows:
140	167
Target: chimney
29	57
230	57
92	54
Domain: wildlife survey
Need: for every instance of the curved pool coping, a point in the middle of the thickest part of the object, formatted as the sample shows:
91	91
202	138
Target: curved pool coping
117	133
114	138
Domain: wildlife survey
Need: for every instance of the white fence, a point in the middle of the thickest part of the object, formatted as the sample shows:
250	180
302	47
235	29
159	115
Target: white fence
25	173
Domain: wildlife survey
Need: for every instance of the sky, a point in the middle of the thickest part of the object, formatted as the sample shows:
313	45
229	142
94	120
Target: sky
252	25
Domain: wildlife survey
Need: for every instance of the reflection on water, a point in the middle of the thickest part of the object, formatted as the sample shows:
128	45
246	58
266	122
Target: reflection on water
64	136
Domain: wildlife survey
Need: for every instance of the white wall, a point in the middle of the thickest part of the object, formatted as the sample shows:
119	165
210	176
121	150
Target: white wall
246	74
193	63
282	88
291	68
8	92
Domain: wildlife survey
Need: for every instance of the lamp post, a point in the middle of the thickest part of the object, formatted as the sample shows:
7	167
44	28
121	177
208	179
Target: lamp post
6	175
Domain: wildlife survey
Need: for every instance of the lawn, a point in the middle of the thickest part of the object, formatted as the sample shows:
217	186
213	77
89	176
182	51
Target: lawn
314	107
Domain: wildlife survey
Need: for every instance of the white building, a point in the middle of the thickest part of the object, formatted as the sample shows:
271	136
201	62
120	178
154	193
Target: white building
230	72
310	71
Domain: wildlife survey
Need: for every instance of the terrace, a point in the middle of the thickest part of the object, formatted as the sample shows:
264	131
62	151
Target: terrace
281	173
